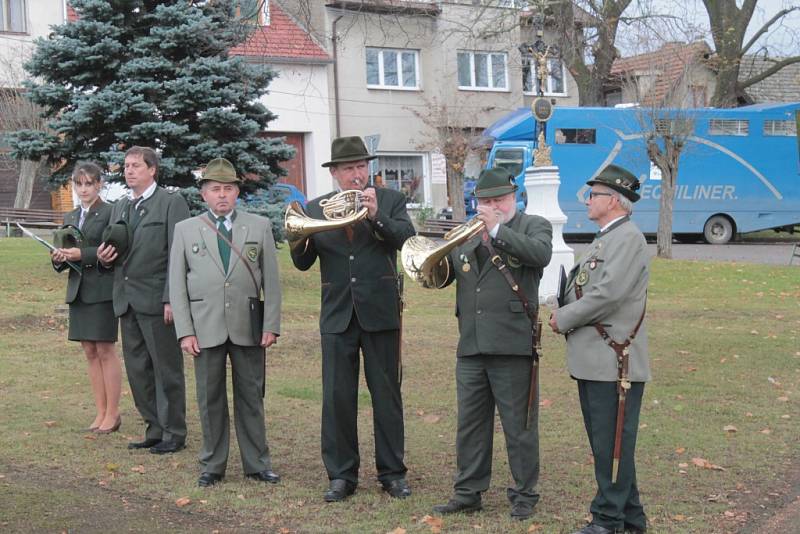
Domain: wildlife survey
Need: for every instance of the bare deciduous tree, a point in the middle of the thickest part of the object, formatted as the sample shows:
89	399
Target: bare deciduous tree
18	113
729	24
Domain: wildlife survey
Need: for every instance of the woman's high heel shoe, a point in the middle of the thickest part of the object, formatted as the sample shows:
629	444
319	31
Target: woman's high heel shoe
112	429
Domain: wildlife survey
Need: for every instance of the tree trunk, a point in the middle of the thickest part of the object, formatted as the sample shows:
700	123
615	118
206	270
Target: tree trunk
664	234
28	171
455	189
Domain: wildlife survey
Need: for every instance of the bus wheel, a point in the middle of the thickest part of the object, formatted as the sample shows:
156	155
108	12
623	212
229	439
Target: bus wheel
718	230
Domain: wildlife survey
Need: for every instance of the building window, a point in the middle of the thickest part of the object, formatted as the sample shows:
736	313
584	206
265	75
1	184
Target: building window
787	128
483	71
555	78
404	173
392	69
728	127
576	136
12	16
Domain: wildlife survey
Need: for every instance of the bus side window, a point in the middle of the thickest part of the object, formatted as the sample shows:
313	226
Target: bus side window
575	136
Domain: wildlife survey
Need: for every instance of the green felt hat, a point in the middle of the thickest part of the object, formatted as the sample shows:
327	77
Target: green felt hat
68	236
116	235
347	149
495	182
220	170
620	180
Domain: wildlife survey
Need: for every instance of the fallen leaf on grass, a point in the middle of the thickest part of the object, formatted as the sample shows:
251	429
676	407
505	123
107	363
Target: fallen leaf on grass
535	527
435	523
683	465
684	352
783	399
183	501
679	517
730	428
680	450
749	414
691	369
111	467
49	424
431	419
240	497
138	469
398	530
723	360
705	464
544	403
766	431
786	416
90	436
773	381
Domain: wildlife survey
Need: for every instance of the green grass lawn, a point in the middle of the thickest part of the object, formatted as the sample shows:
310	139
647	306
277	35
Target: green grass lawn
725	349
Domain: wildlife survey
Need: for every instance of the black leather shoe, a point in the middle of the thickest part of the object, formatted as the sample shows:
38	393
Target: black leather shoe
265	476
208	479
521	511
167	447
397	488
593	528
146	444
339	490
453	507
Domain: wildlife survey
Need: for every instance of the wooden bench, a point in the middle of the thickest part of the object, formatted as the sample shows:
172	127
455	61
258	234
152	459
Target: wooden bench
438	227
30	218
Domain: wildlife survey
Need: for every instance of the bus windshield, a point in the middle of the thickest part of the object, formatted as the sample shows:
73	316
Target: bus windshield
511	159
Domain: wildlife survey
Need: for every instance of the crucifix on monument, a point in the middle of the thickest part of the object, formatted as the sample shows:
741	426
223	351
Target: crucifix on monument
540	53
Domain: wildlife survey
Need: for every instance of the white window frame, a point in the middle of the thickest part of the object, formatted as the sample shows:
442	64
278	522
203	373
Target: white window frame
381	75
4	11
489	77
734	127
425	179
780	128
531	66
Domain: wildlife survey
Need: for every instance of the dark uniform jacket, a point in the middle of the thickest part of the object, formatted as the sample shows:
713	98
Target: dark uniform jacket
361	275
140	277
491	319
91	284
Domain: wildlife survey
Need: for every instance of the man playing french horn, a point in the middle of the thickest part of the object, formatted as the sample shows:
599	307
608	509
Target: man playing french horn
495	362
360	311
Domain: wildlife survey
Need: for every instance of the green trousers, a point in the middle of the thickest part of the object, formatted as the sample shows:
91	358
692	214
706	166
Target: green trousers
154	364
483	382
247	368
340	372
615	506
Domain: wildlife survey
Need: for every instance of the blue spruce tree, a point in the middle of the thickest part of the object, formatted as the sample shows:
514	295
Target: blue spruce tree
154	73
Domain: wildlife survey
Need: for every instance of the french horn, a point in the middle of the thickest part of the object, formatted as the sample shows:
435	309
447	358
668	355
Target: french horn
425	260
340	210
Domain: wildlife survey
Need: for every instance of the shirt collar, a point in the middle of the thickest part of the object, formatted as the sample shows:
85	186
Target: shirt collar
147	193
608	225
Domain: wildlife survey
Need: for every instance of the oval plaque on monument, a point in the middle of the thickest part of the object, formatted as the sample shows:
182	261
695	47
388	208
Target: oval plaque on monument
542	109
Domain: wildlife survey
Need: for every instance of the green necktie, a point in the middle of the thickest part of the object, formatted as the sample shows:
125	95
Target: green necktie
224	247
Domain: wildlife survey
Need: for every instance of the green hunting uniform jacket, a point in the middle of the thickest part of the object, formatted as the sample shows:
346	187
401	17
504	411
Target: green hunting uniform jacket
361	276
491	319
212	304
141	275
613	274
91	284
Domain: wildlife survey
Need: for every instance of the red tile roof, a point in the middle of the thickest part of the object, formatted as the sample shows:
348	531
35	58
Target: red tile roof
283	39
668	63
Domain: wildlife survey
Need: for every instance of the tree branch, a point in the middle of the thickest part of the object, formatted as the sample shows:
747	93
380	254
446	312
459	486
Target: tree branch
761	31
769	72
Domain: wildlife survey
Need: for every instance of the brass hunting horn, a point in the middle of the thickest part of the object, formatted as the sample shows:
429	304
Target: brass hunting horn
342	209
422	258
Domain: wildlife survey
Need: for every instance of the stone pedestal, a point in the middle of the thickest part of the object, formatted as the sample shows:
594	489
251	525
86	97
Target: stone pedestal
542	185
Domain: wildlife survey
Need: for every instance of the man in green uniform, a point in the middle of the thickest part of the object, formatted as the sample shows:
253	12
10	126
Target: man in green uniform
603	319
494	358
210	287
152	355
360	312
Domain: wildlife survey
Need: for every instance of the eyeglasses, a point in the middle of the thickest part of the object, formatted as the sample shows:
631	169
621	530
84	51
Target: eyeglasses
593	194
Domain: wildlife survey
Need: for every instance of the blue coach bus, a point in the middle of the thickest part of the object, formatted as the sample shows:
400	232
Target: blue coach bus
739	171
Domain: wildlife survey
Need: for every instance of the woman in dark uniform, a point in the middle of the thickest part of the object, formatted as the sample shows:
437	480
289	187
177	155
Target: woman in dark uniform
91	314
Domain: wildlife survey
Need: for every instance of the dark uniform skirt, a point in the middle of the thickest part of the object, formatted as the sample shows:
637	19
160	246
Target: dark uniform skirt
92	322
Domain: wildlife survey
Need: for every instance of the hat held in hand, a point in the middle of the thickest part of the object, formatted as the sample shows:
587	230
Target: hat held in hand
116	235
68	236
